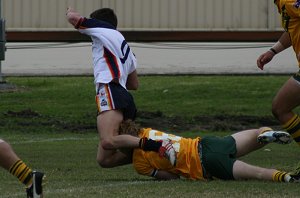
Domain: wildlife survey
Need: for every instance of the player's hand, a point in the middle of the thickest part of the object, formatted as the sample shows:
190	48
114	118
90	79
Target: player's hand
69	9
166	150
264	59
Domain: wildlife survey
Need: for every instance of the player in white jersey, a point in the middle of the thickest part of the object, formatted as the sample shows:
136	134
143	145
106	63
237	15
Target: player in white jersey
114	73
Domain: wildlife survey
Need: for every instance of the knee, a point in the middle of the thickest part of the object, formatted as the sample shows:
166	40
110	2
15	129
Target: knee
5	149
101	162
4	145
276	110
107	144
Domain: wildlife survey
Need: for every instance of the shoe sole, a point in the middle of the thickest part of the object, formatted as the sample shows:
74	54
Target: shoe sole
282	138
278	137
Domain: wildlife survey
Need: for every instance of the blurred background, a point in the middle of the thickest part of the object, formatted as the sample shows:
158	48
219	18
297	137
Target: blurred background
147	20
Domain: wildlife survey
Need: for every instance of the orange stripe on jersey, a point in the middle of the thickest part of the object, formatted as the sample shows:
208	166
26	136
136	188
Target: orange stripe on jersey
112	63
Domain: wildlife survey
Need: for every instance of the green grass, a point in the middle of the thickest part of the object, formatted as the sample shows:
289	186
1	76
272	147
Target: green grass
45	139
193	95
69	161
173	95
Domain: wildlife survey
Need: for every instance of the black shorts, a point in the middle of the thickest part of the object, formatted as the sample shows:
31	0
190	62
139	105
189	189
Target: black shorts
113	96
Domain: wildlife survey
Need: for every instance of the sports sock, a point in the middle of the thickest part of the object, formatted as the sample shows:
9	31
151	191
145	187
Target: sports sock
265	129
281	176
22	172
293	128
149	145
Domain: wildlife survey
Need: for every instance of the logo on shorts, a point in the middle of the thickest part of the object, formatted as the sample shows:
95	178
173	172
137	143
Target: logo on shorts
297	4
103	102
102	93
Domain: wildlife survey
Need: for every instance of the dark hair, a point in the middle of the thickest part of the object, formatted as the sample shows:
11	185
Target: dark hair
107	15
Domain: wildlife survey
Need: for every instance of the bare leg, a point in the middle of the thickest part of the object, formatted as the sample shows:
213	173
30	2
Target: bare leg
7	155
242	170
287	98
108	123
246	141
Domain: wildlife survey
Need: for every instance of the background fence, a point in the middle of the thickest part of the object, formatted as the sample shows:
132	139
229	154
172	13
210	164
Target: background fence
147	15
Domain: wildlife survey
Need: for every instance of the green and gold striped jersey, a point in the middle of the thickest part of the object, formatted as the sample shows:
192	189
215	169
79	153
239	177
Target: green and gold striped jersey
290	18
188	162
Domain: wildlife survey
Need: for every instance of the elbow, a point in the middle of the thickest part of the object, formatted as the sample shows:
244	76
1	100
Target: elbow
133	86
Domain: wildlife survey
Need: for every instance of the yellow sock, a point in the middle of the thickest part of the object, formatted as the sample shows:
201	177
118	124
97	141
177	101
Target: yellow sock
293	128
280	176
265	129
22	172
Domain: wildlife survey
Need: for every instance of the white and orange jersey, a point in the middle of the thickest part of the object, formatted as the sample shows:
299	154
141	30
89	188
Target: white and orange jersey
188	162
112	56
290	16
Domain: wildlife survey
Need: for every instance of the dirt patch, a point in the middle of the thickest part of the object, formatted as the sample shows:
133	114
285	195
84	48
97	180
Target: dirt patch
204	123
156	120
7	87
27	113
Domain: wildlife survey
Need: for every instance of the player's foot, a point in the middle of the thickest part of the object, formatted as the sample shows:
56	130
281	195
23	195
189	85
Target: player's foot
167	150
36	189
279	137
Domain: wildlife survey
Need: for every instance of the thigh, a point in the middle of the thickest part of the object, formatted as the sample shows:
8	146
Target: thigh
108	123
246	141
288	97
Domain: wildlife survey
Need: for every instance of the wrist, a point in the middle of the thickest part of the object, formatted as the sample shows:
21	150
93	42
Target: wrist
277	48
273	50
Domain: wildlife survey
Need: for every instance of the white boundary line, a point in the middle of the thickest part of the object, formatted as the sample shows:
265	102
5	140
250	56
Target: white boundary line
52	140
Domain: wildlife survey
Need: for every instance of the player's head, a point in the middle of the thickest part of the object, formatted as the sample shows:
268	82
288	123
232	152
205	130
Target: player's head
129	127
107	15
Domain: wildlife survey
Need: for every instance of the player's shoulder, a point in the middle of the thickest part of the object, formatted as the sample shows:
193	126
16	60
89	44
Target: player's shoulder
144	132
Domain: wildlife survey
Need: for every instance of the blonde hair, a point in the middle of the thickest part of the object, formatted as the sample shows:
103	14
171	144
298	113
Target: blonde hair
129	127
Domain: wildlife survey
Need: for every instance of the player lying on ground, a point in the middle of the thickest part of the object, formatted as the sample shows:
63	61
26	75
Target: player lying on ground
209	157
12	163
115	74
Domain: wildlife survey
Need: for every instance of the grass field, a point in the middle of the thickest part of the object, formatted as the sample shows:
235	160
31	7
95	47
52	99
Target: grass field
50	122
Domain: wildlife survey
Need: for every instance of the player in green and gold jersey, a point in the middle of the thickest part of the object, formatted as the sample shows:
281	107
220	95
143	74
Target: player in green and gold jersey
208	157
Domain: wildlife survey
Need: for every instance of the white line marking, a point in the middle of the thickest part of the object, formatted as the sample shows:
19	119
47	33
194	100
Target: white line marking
52	140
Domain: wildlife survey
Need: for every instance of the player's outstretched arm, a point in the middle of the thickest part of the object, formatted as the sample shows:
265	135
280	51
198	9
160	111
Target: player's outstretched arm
72	16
